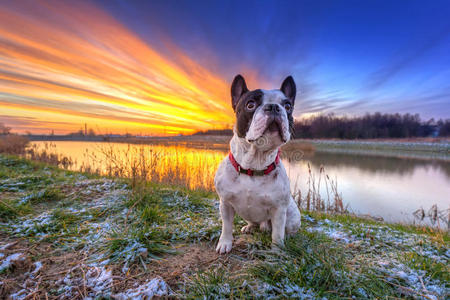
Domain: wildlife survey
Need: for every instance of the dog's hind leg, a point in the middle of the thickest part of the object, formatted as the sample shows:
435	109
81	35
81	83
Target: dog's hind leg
265	226
249	227
293	218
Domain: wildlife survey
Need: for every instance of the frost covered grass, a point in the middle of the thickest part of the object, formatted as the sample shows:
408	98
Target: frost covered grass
332	260
66	235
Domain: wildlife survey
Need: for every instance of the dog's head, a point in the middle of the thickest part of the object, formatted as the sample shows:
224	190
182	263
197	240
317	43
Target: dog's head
263	117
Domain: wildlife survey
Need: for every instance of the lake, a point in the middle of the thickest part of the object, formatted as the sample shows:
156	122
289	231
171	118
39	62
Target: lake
389	187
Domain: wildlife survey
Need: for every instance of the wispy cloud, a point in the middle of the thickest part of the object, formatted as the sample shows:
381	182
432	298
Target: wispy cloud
405	58
80	64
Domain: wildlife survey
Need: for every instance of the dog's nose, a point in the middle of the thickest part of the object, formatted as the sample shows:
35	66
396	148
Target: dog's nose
272	108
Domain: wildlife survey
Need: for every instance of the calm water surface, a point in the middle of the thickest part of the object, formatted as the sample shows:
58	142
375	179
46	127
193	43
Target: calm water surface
392	188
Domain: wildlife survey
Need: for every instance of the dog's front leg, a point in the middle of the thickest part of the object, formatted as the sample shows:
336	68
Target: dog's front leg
278	220
226	238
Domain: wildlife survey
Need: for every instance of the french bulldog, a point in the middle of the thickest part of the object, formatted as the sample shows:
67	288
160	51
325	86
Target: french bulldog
252	181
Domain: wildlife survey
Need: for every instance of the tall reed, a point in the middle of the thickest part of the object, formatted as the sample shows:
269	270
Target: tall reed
170	165
313	200
49	155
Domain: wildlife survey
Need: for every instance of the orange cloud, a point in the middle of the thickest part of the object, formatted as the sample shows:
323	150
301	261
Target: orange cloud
65	65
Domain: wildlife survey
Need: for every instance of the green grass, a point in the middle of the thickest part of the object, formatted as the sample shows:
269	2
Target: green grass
59	224
50	194
138	244
316	263
351	221
10	209
217	284
310	266
131	227
433	269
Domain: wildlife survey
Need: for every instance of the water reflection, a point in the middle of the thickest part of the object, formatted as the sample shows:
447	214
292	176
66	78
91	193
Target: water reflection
377	164
393	188
190	167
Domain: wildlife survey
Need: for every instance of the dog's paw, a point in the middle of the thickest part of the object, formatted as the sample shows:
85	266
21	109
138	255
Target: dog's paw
248	228
277	247
224	246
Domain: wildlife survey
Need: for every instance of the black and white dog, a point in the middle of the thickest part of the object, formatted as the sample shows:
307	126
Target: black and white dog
252	181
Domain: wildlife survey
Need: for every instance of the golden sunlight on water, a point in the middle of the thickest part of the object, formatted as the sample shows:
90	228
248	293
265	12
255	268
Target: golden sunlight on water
193	168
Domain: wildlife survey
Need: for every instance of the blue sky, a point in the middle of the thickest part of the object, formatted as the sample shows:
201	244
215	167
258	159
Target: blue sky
348	57
165	67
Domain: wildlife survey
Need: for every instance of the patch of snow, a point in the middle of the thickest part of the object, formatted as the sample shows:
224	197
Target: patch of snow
28	226
37	267
417	280
332	233
155	287
20	295
8	261
308	218
5	247
132	251
363	293
285	289
98	279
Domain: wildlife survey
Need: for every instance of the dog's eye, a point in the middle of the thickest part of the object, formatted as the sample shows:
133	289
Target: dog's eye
287	106
251	105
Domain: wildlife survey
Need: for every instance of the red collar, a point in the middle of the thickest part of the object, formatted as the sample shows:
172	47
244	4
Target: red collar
250	172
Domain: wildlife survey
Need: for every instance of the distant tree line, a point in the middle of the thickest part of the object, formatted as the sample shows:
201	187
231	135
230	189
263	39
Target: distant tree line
215	132
370	126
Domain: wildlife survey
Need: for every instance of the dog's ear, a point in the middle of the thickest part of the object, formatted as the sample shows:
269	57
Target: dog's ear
288	88
238	88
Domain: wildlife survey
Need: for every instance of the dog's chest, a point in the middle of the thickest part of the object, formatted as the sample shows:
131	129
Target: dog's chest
252	197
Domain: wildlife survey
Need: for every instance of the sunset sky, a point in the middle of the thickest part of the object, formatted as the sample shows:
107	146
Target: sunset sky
165	67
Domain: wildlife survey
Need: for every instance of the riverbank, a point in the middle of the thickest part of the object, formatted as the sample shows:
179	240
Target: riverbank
409	148
75	235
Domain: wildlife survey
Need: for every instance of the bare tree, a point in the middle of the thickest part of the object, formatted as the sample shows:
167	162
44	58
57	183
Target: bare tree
4	130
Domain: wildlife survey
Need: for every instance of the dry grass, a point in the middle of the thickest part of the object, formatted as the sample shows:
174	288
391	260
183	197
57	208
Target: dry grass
174	165
13	144
19	145
48	155
313	200
437	217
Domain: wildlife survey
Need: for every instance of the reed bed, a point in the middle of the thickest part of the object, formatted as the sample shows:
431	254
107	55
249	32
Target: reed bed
49	155
313	200
13	144
191	168
437	217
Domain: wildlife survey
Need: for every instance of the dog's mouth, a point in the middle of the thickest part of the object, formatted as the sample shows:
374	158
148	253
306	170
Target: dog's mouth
274	126
272	129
